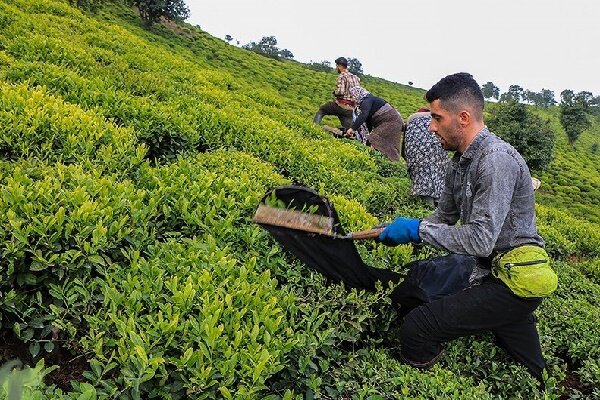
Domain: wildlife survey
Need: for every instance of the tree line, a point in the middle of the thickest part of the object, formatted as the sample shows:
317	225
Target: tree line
575	108
267	46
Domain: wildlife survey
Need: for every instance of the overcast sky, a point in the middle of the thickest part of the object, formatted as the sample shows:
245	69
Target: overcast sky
552	44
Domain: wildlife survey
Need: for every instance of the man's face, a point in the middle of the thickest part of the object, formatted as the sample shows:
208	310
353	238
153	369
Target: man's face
338	69
444	124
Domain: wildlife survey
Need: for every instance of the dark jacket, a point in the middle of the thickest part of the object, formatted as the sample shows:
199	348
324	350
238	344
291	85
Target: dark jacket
489	189
367	108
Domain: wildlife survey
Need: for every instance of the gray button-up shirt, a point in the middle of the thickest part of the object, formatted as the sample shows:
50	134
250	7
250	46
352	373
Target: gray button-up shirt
489	189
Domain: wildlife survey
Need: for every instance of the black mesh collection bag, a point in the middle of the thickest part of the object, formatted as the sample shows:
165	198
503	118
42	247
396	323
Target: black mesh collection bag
337	259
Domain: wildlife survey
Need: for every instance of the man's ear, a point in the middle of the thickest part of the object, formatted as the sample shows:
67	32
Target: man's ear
464	118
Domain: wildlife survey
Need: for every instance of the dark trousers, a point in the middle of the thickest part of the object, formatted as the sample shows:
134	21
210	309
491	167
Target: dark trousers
490	306
438	304
332	108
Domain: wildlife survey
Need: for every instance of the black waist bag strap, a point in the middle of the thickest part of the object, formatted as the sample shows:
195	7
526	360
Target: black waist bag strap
432	279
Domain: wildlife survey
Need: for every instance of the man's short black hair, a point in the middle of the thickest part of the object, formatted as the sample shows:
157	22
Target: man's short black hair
342	61
456	90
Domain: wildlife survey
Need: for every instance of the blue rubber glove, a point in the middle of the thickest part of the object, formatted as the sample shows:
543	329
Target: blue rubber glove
400	231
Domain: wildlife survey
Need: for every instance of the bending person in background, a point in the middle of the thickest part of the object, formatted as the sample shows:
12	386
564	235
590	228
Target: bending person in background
383	123
426	159
343	104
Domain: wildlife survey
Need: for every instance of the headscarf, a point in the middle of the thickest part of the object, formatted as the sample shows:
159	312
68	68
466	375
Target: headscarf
359	93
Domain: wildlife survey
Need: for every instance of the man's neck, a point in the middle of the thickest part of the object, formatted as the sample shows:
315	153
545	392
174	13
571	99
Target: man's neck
469	136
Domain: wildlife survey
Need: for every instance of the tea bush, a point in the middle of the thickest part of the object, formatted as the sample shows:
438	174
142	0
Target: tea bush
229	315
38	126
591	269
584	236
571	313
383	377
61	225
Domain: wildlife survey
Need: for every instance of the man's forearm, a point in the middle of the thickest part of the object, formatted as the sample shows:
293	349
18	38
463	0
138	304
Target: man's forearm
462	239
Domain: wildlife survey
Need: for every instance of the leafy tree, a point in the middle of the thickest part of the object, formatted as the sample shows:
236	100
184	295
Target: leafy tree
532	97
285	53
573	113
595	106
532	136
514	93
544	99
547	98
267	46
324	66
91	5
152	10
584	98
573	119
490	91
566	96
355	66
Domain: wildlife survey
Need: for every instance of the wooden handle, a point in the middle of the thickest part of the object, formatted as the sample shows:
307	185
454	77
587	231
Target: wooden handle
368	234
293	219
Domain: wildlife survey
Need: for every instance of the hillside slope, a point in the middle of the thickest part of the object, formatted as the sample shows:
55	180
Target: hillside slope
131	162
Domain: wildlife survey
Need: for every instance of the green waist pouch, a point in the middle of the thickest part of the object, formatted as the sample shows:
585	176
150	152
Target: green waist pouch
526	271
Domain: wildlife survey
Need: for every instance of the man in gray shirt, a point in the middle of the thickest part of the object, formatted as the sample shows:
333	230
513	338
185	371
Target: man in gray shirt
488	188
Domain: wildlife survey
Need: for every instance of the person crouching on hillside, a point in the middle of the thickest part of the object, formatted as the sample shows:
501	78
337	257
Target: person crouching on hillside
343	104
383	122
488	188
